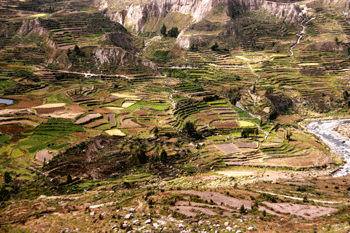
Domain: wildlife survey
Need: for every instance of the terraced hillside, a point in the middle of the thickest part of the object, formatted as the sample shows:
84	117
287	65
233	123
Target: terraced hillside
124	130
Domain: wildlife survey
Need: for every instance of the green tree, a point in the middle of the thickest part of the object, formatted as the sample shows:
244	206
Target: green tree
288	135
163	30
7	178
156	130
173	32
247	131
164	156
69	179
242	209
141	154
215	47
189	128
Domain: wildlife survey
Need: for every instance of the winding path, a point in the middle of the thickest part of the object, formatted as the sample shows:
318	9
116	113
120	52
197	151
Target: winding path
300	34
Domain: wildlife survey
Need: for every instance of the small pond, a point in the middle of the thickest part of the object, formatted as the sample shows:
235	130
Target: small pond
6	101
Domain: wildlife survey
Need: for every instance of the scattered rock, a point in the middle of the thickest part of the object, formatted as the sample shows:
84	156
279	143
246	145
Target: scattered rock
226	224
250	228
136	223
93	213
132	210
104	214
148	221
65	230
128	216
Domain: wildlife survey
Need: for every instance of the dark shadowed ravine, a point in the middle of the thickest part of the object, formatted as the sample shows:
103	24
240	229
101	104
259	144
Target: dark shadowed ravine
338	143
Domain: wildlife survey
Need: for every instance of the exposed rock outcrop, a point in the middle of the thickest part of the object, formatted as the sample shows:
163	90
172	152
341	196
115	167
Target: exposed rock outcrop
118	56
119	39
137	15
37	26
33	25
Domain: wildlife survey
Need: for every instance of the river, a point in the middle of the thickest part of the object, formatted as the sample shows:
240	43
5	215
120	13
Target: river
338	143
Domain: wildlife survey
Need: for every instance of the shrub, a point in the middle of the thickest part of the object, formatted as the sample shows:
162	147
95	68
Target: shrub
7	178
215	47
163	156
242	209
173	32
163	30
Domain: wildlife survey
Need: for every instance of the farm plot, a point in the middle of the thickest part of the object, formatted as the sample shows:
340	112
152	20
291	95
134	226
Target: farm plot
88	118
229	205
126	96
49	135
228	148
115	132
246	124
159	107
252	145
306	211
225	124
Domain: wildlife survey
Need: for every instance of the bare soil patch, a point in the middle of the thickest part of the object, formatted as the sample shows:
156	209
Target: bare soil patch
228	148
225	124
220	199
53	105
49	110
191	211
111	118
133	132
88	118
315	158
64	115
23	102
80	135
306	211
129	123
97	122
26	122
288	119
140	113
43	155
246	144
15	129
76	108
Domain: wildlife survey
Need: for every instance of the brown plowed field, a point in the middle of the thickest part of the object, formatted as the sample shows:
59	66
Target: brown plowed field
76	108
209	117
22	102
97	122
49	110
225	124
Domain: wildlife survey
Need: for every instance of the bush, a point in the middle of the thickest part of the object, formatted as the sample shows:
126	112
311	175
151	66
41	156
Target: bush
242	209
215	47
163	30
163	156
7	178
247	131
173	32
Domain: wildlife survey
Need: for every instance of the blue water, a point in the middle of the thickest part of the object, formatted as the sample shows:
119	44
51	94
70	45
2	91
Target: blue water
6	101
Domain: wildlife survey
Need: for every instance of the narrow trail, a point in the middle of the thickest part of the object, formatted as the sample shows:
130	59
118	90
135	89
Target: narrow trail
300	199
300	35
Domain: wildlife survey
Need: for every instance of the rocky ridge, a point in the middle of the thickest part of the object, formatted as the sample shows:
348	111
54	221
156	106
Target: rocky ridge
138	16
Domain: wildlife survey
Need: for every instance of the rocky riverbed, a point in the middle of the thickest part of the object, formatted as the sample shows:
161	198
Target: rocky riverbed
335	134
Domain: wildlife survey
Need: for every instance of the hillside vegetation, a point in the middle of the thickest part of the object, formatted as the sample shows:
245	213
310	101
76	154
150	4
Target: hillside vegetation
172	116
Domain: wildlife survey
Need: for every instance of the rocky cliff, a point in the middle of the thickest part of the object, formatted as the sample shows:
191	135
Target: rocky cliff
137	15
120	57
33	25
